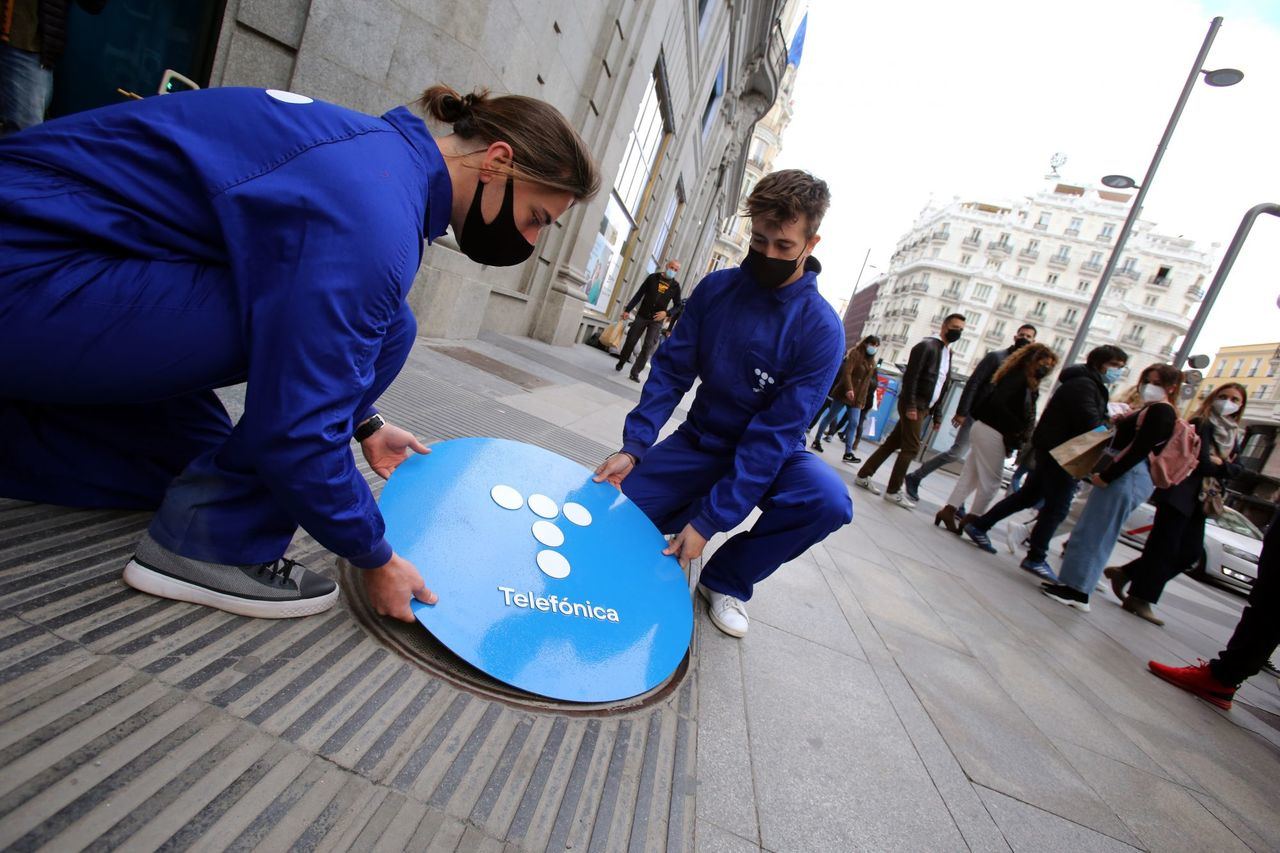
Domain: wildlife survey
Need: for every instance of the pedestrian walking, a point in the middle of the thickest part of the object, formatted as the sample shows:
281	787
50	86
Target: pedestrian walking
974	390
1252	643
868	406
856	372
928	368
1001	422
1176	539
1122	485
1077	406
655	300
766	346
153	251
33	37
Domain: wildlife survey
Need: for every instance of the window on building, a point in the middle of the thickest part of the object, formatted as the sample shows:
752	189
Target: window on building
1222	365
1040	308
1261	393
714	97
1129	264
1150	301
965	260
659	251
972	319
997	328
1064	252
1084	286
1060	345
924	278
1235	371
1051	278
1074	228
1163	275
1135	332
982	292
1004	239
934	252
1108	230
1043	222
1022	272
1257	363
1010	303
1071	315
975	234
1033	245
1095	259
1271	371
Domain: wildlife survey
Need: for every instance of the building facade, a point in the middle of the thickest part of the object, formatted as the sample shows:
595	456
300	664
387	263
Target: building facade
731	242
1038	261
664	92
858	311
1255	366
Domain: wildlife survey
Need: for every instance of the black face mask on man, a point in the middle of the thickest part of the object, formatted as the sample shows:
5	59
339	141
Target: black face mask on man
952	335
771	272
498	243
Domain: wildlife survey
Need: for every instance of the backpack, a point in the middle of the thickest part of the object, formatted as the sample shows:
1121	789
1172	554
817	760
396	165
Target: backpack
1174	462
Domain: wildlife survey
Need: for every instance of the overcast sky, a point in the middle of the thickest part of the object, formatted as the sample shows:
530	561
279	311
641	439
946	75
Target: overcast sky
898	103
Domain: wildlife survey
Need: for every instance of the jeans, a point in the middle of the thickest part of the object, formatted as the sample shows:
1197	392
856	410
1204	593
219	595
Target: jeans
833	415
957	451
25	89
1048	483
1099	528
1258	631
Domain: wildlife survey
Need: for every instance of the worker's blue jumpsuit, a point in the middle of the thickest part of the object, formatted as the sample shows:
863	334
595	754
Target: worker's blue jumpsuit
153	251
766	359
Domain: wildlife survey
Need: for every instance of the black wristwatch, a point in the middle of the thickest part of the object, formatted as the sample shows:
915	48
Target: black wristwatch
369	427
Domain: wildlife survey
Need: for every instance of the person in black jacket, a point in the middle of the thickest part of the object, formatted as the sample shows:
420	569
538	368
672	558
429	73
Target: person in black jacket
1119	488
33	35
1078	406
657	297
1001	421
928	367
1176	539
977	386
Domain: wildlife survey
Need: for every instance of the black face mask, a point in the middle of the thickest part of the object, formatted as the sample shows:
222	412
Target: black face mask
952	336
770	272
498	243
1019	343
1042	372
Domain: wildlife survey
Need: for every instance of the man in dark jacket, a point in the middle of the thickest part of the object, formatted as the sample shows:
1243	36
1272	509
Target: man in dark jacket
922	385
33	35
658	296
974	390
1079	405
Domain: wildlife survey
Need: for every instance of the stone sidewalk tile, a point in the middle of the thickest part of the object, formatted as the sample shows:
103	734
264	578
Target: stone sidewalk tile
1032	830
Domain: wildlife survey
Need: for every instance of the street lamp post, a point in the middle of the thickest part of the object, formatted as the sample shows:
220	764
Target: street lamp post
1219	77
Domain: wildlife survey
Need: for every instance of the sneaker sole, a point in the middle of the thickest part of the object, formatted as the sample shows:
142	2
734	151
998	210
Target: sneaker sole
1082	606
724	629
1224	704
145	580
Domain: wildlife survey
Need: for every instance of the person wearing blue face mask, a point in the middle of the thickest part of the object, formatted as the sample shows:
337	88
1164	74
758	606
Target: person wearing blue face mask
856	372
157	250
1077	406
657	298
766	346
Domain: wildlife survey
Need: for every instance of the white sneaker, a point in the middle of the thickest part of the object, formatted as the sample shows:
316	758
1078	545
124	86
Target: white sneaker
727	613
865	482
900	498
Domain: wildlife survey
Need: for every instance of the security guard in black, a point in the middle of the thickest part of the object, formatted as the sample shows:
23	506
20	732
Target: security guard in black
658	297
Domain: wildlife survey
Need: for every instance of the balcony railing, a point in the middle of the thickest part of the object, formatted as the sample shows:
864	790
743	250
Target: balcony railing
1067	322
1072	232
1029	253
1006	309
1135	340
1040	226
1130	274
994	334
1059	260
1195	293
910	313
1091	266
999	246
971	241
919	287
941	236
950	293
1103	238
1158	281
1037	315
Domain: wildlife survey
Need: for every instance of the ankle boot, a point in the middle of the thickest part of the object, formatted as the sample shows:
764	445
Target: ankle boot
1142	609
947	516
1119	580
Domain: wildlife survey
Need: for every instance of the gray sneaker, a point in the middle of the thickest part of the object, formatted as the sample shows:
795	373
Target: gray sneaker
281	589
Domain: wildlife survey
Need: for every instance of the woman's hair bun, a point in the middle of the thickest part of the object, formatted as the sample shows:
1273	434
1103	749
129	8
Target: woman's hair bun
444	104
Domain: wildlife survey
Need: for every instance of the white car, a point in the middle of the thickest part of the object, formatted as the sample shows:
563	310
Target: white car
1231	546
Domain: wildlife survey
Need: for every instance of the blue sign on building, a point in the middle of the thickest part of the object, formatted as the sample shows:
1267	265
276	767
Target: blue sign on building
548	581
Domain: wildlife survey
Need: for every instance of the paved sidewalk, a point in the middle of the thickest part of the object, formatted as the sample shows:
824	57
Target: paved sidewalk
898	690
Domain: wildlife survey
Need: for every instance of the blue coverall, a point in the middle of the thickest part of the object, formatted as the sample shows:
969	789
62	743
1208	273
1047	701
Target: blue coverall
153	251
766	359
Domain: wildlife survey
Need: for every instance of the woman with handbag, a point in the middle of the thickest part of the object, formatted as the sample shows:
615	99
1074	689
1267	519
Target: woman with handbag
1121	486
1177	535
1003	419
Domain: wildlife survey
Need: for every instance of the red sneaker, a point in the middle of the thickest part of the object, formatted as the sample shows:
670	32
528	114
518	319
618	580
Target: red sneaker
1198	680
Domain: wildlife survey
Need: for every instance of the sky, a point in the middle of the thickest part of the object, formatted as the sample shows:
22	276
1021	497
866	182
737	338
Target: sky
898	104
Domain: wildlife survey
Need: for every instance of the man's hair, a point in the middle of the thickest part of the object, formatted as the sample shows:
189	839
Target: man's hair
1033	329
787	195
1099	356
951	317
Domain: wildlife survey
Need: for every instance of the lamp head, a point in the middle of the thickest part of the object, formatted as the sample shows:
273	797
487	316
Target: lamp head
1119	182
1223	77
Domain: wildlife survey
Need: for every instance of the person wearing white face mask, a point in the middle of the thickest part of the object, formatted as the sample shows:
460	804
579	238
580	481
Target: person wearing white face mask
1177	534
1122	485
